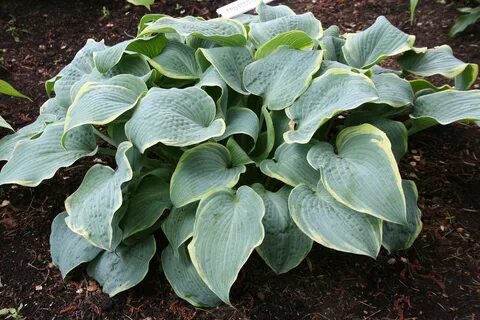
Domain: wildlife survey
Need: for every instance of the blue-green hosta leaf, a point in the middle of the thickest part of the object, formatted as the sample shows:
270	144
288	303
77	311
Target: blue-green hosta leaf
241	121
261	32
146	205
34	160
227	229
400	237
177	61
5	124
290	165
184	279
68	249
178	227
93	207
81	66
363	175
397	134
422	84
379	41
100	103
335	91
284	245
148	46
223	31
446	107
123	269
9	90
7	143
267	13
201	170
295	39
332	224
246	19
282	77
212	79
440	60
392	90
174	117
230	63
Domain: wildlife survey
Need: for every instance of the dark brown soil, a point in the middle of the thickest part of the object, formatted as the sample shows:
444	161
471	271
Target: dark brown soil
438	278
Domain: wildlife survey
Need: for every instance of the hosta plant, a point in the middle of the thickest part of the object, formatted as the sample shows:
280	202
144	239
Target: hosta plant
264	133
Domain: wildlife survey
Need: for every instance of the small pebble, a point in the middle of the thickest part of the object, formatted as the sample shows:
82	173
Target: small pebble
404	260
4	203
38	288
391	261
79	291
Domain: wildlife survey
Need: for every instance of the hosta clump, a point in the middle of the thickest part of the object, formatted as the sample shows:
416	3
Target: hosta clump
264	132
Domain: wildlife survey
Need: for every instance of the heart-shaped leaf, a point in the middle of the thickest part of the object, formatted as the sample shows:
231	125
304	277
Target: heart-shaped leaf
227	229
290	165
201	170
230	62
281	77
267	13
363	174
332	224
392	90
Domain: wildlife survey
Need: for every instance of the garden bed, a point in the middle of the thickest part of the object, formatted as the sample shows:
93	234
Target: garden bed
438	278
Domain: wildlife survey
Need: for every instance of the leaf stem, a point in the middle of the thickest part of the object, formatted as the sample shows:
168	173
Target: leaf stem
104	137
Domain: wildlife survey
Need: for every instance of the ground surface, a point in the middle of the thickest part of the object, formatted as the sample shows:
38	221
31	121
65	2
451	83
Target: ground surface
438	278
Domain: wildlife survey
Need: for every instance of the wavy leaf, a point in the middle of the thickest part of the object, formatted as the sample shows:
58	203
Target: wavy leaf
440	60
174	117
220	30
374	44
34	160
94	207
100	103
393	90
